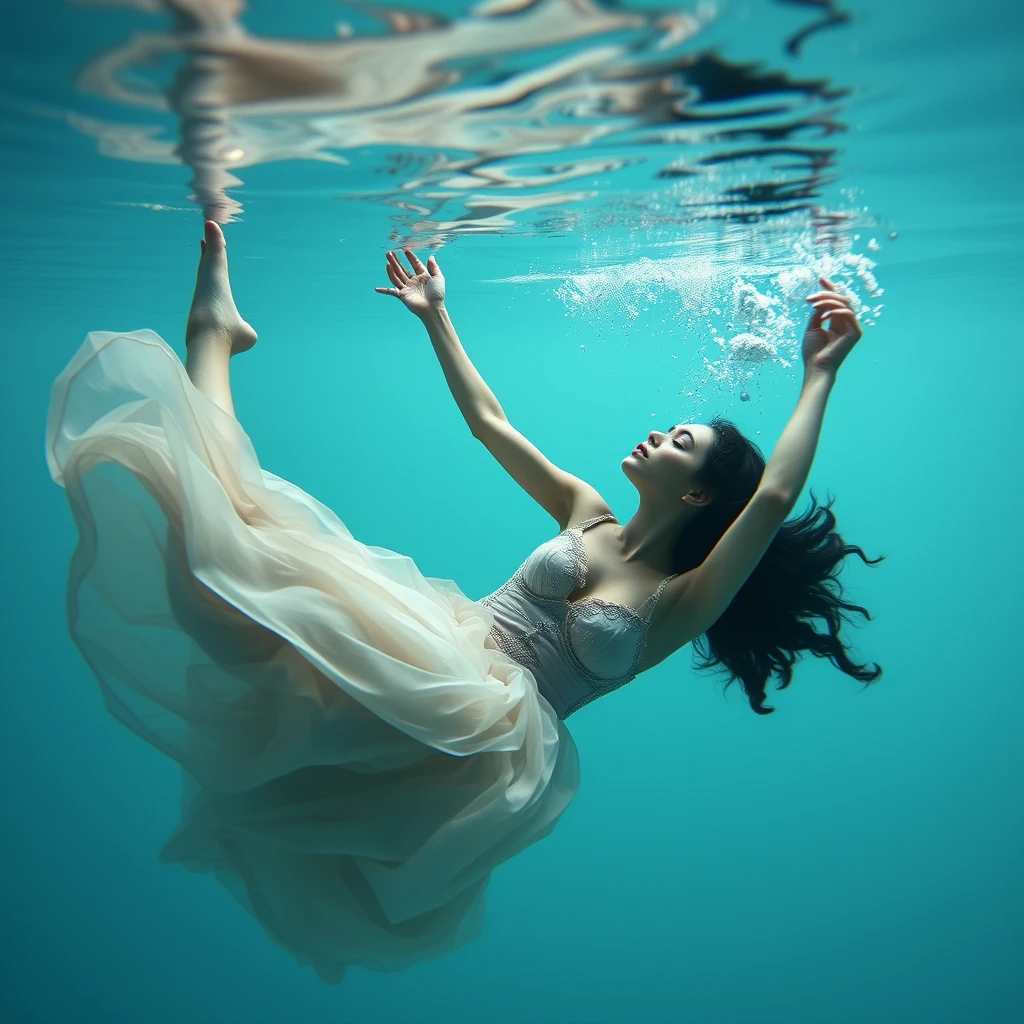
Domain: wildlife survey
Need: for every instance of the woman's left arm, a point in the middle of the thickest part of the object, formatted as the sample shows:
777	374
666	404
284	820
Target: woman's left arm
823	353
700	596
787	470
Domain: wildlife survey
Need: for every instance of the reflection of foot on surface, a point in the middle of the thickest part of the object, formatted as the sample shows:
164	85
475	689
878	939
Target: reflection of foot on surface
213	314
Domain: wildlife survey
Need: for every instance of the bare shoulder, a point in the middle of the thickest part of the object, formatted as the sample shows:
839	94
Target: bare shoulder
585	502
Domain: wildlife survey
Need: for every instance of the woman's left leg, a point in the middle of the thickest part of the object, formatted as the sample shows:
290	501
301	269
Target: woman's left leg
215	331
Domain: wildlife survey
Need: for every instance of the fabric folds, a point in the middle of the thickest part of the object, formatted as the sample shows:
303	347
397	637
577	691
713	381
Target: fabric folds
357	754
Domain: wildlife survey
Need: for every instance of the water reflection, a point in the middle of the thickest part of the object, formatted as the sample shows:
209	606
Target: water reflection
509	117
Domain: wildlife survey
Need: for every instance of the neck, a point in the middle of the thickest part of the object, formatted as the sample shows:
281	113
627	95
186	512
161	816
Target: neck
651	534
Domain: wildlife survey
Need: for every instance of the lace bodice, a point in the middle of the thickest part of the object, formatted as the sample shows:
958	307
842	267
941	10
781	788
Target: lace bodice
577	650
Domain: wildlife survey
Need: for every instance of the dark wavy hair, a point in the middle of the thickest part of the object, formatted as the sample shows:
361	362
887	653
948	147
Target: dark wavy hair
795	585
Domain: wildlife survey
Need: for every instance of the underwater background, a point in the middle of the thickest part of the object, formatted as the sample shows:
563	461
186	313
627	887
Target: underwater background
628	202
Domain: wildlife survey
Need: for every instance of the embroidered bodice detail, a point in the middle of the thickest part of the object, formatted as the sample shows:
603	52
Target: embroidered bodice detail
578	649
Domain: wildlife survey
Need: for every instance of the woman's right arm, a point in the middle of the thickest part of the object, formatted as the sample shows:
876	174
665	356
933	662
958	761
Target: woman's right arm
563	496
474	398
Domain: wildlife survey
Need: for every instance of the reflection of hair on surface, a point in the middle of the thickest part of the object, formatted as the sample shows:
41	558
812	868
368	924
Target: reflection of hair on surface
445	118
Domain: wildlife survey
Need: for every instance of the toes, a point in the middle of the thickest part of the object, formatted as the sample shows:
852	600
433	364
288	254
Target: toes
214	235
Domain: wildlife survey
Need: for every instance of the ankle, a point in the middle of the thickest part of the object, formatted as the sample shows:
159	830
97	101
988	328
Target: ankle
206	336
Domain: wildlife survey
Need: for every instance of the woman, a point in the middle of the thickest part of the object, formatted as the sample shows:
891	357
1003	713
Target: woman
361	745
694	481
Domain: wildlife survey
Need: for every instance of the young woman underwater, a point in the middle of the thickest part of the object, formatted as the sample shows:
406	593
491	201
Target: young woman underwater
362	745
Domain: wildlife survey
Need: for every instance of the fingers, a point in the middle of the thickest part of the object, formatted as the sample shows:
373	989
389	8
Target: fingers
832	306
415	262
844	320
823	305
840	318
827	303
831	295
403	281
827	306
418	267
394	276
396	271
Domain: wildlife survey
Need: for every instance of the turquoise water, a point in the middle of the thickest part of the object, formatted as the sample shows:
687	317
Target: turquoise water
854	857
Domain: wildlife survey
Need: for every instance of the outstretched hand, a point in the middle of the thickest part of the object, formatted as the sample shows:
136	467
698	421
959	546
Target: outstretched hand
826	348
422	290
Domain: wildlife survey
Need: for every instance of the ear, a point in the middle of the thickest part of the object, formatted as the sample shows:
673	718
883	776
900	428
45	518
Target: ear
697	498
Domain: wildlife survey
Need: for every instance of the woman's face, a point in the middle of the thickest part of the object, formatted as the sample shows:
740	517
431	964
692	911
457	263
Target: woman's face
668	461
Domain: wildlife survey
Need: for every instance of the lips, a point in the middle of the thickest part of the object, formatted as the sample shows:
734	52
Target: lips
642	449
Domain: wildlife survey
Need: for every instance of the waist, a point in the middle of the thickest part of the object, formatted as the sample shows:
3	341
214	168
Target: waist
542	648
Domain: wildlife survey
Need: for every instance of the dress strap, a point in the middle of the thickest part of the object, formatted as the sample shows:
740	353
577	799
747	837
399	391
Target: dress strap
594	519
655	597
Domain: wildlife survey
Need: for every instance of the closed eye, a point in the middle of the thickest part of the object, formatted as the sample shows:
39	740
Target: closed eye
675	440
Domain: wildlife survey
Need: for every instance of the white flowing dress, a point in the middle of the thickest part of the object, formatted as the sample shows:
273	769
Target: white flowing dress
357	752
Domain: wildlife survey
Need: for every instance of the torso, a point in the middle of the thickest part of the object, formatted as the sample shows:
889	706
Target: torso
617	582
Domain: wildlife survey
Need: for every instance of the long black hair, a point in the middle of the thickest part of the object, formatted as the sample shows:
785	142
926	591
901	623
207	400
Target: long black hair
771	620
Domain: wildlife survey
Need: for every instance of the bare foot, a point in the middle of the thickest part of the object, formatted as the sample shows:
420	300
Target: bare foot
213	314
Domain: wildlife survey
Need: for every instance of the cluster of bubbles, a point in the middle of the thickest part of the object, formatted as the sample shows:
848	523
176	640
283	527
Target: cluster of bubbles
736	316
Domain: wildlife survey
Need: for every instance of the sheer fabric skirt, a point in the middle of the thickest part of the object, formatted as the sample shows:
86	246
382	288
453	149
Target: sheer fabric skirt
357	755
